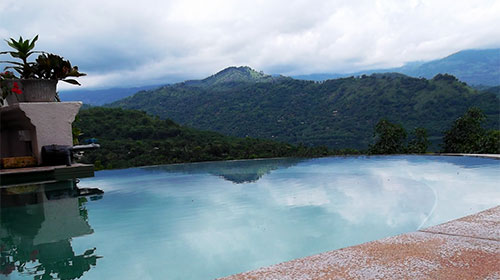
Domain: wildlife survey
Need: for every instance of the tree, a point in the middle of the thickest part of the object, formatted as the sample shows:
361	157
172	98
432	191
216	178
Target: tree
490	143
389	138
466	134
420	143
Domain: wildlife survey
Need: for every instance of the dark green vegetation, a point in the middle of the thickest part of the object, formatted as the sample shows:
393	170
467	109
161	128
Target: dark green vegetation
494	90
475	67
466	135
132	138
337	113
391	139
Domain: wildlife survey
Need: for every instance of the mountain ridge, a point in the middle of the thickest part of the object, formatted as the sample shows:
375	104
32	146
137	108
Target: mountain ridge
475	67
339	113
245	73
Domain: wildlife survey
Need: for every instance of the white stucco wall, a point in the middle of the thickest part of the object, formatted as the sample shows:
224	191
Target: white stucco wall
52	121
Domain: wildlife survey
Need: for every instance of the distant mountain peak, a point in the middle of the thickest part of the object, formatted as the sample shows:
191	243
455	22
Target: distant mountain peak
474	66
237	74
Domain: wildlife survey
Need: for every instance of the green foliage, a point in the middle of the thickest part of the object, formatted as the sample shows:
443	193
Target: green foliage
337	113
490	143
466	135
389	138
54	67
133	138
419	144
46	66
23	49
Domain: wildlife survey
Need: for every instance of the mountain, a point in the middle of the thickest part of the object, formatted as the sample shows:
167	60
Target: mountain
338	113
242	74
132	138
104	96
100	96
475	67
494	90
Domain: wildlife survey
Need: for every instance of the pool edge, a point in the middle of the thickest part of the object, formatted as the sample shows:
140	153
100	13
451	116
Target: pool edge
465	248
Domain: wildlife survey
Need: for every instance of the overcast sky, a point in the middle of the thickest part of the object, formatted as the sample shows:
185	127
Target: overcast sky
128	43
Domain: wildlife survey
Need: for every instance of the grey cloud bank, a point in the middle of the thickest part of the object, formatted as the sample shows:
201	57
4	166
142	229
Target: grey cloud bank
129	43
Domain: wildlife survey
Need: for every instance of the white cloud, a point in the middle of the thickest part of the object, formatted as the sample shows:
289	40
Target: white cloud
125	42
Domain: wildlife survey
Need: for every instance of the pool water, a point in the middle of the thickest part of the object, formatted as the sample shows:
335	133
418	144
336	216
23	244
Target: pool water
209	220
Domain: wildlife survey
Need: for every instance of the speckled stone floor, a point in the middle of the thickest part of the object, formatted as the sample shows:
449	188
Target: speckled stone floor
467	248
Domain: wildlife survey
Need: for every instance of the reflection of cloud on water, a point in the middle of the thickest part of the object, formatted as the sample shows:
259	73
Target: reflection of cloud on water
293	192
460	191
357	199
197	222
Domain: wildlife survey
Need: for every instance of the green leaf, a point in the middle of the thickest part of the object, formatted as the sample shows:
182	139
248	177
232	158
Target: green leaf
32	45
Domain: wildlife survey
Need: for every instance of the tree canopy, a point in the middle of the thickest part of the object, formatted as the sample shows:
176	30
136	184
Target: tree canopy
467	135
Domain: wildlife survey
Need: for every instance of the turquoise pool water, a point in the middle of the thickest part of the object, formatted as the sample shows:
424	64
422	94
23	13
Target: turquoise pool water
208	220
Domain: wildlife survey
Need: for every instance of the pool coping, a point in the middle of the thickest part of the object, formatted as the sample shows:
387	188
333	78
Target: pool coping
465	248
493	156
44	174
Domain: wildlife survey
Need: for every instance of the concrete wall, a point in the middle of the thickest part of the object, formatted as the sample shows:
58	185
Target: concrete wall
37	123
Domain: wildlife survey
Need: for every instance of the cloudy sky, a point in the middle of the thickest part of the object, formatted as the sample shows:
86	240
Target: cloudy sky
128	43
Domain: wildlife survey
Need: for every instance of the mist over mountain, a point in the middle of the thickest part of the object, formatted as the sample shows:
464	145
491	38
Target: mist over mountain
99	97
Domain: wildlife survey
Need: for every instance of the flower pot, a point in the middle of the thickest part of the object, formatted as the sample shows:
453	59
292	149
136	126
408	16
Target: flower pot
35	90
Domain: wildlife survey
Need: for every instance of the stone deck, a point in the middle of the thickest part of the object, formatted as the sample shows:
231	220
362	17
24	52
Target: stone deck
467	248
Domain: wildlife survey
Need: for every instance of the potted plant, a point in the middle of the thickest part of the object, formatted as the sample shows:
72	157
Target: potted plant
39	79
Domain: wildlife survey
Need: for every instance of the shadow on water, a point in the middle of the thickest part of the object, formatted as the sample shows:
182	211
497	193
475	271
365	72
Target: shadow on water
37	223
237	171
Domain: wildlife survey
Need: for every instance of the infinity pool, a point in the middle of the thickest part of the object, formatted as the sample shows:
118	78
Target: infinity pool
209	220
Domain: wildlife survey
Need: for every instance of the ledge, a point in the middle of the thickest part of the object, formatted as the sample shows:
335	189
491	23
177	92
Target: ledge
467	248
32	175
494	156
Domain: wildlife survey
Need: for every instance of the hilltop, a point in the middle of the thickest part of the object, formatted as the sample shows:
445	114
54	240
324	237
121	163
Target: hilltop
242	74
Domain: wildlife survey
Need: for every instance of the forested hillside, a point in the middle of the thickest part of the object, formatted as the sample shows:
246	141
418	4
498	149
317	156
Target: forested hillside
338	113
132	138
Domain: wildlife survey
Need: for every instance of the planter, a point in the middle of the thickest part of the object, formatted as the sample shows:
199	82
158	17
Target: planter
35	90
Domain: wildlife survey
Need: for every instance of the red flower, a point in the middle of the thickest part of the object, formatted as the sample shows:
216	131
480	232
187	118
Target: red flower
15	88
